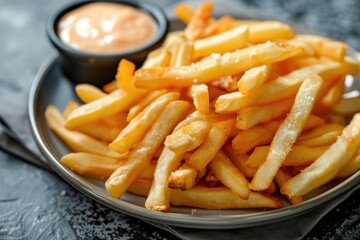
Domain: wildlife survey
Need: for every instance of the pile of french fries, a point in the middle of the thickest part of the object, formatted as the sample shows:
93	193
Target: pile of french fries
227	114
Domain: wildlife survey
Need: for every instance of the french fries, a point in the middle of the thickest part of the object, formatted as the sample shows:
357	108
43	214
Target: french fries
288	132
225	114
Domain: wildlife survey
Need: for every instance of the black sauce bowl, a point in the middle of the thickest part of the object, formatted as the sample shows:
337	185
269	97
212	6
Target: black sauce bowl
98	69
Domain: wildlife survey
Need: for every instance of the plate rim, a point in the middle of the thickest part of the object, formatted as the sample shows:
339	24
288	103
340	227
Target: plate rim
172	219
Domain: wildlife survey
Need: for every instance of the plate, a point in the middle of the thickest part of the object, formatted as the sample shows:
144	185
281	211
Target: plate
50	86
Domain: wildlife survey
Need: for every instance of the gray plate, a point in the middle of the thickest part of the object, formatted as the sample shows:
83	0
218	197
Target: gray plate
50	86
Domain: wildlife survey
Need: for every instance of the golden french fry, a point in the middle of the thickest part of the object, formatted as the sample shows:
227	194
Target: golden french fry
148	173
308	50
253	78
216	138
159	195
140	187
347	106
182	54
325	139
115	102
329	164
200	95
251	116
124	77
220	198
228	41
352	66
199	20
321	130
138	127
110	87
158	58
281	88
88	93
100	131
288	132
282	177
229	175
298	156
183	178
269	31
136	109
78	142
350	168
188	137
90	164
70	106
184	12
214	68
223	24
334	50
334	94
140	157
117	120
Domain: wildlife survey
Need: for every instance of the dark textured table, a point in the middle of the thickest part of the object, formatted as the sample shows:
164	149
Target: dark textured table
35	204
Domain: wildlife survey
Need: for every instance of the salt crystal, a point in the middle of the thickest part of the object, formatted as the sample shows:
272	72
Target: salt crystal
215	56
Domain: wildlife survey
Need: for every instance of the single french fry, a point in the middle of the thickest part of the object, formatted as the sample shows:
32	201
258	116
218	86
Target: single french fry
288	132
148	173
211	69
88	93
213	143
140	157
319	131
325	139
281	88
188	137
138	127
183	178
115	102
117	120
124	77
334	50
347	106
199	20
334	94
220	198
184	12
70	106
90	164
269	31
100	131
136	109
228	41
350	168
140	187
298	156
329	164
282	177
159	195
158	58
200	95
229	175
78	142
110	87
251	116
253	78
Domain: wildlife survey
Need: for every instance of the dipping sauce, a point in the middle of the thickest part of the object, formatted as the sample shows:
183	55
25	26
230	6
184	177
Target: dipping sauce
106	27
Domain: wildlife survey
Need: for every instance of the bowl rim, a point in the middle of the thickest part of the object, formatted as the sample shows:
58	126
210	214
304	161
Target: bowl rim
150	8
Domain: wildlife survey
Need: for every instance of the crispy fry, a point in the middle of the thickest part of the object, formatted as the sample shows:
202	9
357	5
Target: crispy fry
321	130
214	68
298	156
282	177
350	168
117	101
110	87
183	178
325	139
136	109
229	175
199	20
220	198
117	120
215	140
334	94
88	93
140	187
251	116
91	164
140	157
124	77
228	41
100	131
157	58
183	54
159	195
200	95
269	31
273	91
188	137
253	78
347	106
138	127
78	142
329	164
288	132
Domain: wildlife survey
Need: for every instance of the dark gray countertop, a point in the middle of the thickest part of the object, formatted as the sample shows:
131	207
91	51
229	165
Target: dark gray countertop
35	204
